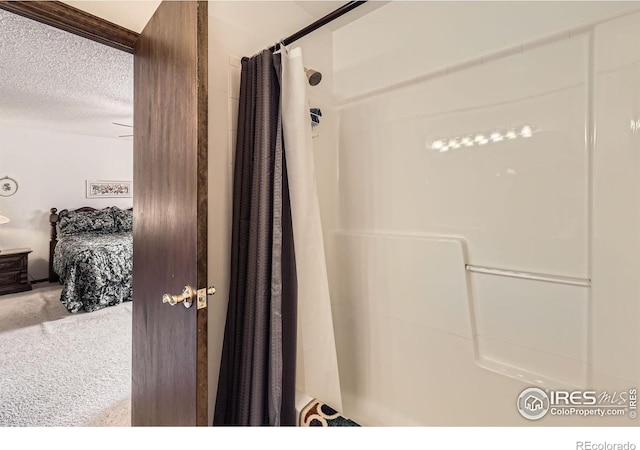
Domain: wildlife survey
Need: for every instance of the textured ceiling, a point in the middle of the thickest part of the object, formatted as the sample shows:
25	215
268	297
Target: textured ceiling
56	80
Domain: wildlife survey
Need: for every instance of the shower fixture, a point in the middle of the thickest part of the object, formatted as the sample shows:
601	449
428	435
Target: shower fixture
313	76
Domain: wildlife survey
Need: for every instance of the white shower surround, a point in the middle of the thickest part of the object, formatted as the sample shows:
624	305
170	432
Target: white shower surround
420	341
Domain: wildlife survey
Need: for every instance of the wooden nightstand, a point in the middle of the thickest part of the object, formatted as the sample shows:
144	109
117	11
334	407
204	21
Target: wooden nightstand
14	266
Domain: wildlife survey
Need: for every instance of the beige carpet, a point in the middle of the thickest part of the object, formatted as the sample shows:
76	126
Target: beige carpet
62	369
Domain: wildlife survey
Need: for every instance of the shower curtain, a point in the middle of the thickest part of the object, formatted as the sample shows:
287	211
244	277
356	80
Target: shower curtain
317	368
257	372
279	331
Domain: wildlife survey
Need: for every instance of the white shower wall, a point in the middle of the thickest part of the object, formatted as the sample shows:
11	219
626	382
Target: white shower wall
420	340
616	200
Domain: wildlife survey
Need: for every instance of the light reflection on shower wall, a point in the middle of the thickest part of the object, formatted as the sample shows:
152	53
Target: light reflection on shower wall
421	341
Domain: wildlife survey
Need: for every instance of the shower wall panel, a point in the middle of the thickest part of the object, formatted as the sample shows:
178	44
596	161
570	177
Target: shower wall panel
498	156
520	202
402	40
616	200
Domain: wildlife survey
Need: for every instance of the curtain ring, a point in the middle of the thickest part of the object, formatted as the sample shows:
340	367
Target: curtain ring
278	46
282	46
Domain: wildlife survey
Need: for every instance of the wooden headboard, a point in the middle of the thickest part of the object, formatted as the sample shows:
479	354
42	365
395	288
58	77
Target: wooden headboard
53	220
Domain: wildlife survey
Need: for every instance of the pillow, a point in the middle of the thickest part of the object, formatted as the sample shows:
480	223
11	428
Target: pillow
123	219
74	222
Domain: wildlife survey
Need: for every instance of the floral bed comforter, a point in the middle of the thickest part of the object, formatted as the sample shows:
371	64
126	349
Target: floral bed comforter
96	269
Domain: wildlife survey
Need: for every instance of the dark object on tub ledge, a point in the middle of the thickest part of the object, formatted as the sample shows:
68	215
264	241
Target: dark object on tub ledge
318	414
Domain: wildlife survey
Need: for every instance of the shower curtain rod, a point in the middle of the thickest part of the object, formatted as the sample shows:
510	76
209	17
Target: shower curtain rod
320	23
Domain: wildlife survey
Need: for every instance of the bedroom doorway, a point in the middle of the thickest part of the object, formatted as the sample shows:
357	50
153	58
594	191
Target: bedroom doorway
59	94
170	212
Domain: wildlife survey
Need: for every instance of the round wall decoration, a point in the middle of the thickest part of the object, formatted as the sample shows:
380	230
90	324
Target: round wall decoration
8	186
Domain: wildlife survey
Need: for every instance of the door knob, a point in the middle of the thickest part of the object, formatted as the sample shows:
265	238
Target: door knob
186	298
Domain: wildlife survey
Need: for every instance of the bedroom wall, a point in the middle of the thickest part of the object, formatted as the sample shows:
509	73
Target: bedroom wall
51	169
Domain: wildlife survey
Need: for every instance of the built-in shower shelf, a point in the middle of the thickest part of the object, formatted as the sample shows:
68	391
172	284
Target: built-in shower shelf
533	329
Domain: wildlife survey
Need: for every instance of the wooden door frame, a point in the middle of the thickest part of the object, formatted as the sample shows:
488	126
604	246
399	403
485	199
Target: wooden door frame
73	20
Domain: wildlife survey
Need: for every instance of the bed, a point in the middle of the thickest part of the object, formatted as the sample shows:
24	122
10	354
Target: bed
93	256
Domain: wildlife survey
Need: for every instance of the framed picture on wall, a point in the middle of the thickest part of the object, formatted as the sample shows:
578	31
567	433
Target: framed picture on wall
106	189
8	186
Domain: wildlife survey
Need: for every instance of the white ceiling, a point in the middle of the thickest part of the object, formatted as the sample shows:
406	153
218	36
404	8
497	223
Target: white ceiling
133	15
318	9
275	20
55	80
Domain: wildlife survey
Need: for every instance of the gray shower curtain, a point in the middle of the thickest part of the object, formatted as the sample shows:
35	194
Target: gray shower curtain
257	373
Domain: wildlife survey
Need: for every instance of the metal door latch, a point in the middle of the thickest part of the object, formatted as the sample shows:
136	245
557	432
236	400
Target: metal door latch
202	296
186	298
